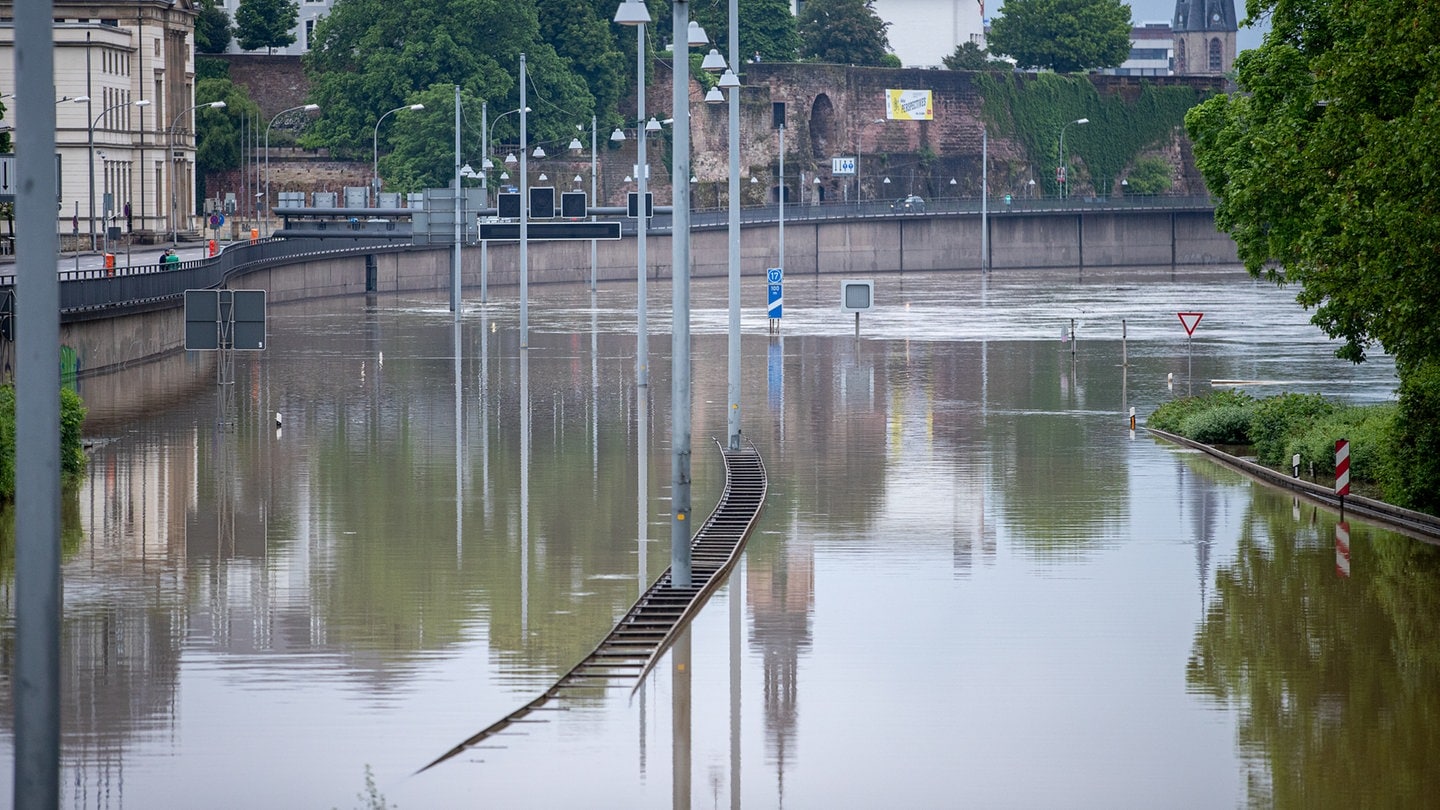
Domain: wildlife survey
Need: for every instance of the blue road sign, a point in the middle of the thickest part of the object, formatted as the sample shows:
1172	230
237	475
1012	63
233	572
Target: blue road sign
776	275
777	301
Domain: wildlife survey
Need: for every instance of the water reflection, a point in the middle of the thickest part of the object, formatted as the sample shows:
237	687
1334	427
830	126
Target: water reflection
965	553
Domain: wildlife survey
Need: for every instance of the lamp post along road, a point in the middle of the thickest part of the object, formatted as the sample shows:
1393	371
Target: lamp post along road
1063	176
732	421
174	201
375	149
144	102
524	216
307	108
634	12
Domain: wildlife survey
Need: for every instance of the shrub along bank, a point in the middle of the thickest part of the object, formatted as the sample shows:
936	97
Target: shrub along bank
1393	447
72	452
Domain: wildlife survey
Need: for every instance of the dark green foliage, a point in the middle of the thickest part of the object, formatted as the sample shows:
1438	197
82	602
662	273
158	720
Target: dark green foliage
1413	476
1032	109
766	27
213	30
843	32
209	67
1171	415
1327	167
72	450
1151	175
1280	419
1226	424
1062	35
266	24
589	43
970	56
218	145
1368	429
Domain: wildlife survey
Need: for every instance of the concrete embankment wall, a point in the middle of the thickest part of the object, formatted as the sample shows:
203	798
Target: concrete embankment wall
1062	241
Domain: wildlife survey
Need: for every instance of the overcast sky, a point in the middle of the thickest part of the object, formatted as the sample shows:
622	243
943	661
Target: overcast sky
1143	11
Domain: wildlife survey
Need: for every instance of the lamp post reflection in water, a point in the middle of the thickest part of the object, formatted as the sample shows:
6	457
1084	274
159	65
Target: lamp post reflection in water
524	496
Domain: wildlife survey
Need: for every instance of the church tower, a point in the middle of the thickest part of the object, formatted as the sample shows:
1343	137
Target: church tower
1204	37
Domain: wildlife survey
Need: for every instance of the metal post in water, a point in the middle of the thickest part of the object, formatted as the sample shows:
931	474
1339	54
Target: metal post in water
459	209
524	218
680	333
733	416
35	678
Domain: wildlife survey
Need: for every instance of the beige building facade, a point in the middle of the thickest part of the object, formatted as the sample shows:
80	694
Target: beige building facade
140	157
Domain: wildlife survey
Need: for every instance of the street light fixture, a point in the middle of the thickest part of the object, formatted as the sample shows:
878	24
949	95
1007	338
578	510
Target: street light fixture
375	147
144	102
634	12
305	107
1061	175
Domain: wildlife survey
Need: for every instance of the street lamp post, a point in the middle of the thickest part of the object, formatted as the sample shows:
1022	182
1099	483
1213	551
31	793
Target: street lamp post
1062	176
144	102
375	148
174	203
307	108
633	12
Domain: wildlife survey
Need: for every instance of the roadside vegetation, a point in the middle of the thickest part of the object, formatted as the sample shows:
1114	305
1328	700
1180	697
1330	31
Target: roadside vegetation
72	453
1389	457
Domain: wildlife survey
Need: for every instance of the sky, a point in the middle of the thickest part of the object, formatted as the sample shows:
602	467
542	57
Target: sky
1143	11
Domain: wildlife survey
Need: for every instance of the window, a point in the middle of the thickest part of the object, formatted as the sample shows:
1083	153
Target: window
1180	56
1148	53
1216	64
309	33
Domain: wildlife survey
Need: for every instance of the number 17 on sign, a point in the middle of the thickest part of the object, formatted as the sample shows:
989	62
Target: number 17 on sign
776	299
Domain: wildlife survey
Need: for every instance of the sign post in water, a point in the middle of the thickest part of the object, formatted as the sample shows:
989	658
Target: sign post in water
775	305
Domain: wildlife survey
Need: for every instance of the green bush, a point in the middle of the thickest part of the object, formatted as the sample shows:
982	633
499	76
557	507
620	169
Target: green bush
1279	419
1171	415
1367	428
1412	476
1226	424
72	450
1150	175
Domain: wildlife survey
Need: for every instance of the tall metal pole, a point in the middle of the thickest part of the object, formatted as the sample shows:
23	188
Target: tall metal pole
459	211
984	200
733	386
680	333
35	679
594	192
484	197
642	222
781	233
524	218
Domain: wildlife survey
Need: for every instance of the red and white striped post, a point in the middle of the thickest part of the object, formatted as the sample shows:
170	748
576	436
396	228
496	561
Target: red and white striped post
1342	472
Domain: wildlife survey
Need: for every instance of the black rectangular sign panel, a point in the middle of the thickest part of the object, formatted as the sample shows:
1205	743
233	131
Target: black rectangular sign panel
509	205
542	202
572	205
510	231
202	320
632	205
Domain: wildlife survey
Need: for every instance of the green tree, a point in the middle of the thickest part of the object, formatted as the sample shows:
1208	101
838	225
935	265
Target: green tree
1062	35
1150	175
212	28
218	131
1326	163
767	28
266	24
588	41
843	32
369	56
970	56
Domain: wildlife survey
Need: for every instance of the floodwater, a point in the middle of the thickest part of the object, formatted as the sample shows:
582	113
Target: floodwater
971	584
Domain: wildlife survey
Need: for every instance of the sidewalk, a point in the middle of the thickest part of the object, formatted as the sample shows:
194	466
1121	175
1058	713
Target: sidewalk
140	255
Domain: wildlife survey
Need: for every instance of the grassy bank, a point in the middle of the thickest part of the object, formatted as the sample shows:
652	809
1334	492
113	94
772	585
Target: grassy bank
72	453
1384	439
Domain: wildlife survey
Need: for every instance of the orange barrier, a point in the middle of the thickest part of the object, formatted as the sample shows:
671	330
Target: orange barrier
109	264
254	235
213	251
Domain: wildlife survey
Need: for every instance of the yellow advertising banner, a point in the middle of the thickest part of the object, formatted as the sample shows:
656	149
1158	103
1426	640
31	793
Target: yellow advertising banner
909	105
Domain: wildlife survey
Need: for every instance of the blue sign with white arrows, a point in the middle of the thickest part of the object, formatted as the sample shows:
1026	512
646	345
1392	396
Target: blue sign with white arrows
776	299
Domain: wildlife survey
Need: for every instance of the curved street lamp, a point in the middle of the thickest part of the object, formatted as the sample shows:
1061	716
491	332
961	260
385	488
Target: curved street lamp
1062	176
144	102
307	108
174	203
375	147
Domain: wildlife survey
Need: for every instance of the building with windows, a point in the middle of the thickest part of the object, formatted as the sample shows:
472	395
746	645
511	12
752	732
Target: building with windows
1205	32
123	164
1152	51
310	13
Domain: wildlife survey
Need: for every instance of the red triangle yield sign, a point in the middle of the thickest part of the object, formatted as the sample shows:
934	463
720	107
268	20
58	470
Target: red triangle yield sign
1190	320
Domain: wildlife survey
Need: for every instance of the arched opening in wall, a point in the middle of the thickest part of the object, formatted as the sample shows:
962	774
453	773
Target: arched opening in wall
822	127
1216	63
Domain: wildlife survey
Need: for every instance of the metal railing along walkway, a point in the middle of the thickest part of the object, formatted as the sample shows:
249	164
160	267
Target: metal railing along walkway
652	624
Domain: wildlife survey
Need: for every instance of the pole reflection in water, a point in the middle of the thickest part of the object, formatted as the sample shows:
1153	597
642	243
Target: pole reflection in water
459	444
680	765
486	492
736	588
524	496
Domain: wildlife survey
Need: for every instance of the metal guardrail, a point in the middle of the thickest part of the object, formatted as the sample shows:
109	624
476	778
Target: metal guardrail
98	292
